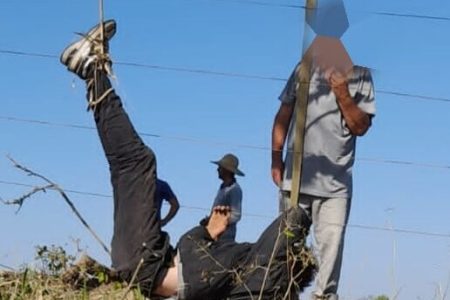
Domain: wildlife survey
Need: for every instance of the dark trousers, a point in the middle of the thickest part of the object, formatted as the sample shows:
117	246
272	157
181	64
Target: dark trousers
138	244
275	267
230	270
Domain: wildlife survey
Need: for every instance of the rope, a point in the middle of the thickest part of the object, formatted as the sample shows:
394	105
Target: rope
102	27
103	62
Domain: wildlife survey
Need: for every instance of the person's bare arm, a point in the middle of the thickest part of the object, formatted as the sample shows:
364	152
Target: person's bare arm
357	121
174	207
279	133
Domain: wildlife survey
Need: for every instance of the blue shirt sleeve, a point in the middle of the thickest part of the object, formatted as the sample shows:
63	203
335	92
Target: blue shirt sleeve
164	191
235	200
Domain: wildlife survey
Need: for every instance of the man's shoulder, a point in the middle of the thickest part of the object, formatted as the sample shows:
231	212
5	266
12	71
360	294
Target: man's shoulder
235	190
235	186
164	190
362	73
161	183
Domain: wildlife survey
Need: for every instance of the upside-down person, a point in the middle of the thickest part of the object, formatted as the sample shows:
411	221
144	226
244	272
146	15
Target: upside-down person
202	266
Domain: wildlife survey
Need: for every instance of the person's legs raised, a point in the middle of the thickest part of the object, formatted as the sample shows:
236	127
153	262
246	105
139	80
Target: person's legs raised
138	246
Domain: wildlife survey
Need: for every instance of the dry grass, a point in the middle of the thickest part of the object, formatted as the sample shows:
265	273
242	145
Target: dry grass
35	285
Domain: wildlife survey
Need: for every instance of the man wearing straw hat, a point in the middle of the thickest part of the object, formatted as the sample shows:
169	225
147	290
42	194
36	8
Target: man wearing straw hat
230	193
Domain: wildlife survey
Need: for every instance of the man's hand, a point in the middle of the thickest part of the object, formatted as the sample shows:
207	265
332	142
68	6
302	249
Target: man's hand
338	83
218	221
357	121
277	171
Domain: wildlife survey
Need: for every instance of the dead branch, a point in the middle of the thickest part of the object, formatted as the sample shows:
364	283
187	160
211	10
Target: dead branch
272	257
51	186
233	271
19	201
133	279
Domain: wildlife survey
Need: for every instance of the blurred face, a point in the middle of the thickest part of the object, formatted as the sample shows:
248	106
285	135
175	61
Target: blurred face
223	173
220	172
329	55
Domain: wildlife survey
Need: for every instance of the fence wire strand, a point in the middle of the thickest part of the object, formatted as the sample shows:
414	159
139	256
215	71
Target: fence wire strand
207	210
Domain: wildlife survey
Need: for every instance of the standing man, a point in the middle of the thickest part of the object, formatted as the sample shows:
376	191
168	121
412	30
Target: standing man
340	108
164	192
230	193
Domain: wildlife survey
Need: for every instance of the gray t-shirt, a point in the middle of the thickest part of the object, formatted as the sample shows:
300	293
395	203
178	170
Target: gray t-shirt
329	146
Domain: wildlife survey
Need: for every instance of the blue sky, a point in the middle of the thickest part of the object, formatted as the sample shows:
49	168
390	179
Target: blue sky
199	117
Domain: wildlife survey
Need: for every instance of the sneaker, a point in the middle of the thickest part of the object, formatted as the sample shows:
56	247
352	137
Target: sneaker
80	55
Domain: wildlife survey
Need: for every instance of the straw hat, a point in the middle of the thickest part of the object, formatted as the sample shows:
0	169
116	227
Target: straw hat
229	162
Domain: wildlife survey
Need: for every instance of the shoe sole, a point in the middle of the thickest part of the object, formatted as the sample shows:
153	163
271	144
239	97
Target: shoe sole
85	42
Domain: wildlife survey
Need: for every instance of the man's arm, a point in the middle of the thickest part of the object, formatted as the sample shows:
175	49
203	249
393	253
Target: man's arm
279	133
234	200
174	207
357	121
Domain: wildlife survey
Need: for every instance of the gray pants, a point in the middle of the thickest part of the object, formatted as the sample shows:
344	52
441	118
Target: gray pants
329	218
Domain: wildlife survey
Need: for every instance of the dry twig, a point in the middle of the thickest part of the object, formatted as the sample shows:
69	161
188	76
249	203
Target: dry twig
50	186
